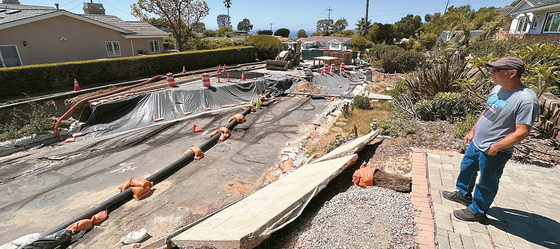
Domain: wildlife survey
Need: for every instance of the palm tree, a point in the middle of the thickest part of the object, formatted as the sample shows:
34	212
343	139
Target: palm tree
228	4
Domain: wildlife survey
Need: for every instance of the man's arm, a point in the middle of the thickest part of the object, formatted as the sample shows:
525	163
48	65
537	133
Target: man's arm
521	132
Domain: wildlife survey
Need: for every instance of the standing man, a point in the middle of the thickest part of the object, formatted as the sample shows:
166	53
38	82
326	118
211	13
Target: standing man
510	112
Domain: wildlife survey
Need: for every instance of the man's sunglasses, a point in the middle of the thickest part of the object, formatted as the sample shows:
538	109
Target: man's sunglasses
495	70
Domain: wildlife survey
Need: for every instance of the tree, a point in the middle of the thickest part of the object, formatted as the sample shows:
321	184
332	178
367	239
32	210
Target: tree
178	15
227	3
340	25
284	32
245	25
407	26
428	18
361	24
323	25
360	44
301	33
381	33
223	21
156	22
264	32
199	27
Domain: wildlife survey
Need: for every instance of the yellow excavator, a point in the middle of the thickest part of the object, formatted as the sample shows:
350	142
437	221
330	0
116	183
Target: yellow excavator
289	55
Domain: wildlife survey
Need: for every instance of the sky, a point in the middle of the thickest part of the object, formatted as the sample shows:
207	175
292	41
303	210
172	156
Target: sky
291	14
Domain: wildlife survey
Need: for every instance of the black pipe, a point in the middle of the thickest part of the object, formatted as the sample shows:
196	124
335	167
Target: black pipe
121	198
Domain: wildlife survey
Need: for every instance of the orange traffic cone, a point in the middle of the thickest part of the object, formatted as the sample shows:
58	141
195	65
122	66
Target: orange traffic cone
76	86
224	68
196	129
395	73
184	71
242	76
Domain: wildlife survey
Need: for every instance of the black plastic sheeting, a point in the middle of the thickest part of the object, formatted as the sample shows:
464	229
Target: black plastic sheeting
331	83
140	110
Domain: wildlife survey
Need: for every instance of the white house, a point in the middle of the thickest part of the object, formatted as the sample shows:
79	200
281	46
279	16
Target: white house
540	18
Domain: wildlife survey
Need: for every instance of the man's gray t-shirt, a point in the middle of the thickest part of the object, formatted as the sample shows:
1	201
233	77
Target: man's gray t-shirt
504	110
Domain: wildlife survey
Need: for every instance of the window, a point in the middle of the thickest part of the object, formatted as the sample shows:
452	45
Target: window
535	22
154	46
113	48
552	23
9	56
522	24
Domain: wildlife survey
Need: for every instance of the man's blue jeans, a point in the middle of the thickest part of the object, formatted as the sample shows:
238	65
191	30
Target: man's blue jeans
491	169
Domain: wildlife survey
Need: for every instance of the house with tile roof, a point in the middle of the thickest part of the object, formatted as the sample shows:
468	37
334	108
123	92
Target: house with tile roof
539	18
40	34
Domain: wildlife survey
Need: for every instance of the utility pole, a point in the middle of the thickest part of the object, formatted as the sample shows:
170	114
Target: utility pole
271	26
329	19
365	23
446	7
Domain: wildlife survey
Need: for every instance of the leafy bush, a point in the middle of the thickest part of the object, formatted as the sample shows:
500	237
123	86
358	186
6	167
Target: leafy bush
266	46
59	76
450	105
208	33
401	60
462	127
378	50
23	124
397	124
425	109
361	102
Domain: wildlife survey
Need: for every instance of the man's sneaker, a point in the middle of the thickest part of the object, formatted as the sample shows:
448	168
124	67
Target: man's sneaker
467	215
456	196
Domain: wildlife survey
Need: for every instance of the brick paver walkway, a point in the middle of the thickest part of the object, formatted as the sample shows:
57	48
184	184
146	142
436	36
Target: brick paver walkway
525	213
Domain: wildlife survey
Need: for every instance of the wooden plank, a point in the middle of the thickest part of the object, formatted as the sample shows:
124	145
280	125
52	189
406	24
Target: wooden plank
248	222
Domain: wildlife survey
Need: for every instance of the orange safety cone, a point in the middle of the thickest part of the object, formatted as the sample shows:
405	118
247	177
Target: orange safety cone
184	71
170	80
76	86
242	76
228	77
224	68
395	73
196	129
219	74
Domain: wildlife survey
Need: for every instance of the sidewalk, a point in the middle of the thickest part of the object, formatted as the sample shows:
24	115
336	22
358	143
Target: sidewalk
525	213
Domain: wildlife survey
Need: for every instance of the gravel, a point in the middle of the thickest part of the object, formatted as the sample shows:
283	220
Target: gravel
362	218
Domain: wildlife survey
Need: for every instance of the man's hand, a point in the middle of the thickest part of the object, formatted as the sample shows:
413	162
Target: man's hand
492	151
469	137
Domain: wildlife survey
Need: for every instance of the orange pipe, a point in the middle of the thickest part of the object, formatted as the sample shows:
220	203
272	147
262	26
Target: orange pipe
94	97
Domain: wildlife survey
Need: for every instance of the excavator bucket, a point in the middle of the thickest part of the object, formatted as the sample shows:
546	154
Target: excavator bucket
277	65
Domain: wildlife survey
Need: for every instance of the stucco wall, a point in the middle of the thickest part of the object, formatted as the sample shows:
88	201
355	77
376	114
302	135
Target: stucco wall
63	38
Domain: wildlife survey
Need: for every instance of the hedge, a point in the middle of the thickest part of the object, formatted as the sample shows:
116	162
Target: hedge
59	76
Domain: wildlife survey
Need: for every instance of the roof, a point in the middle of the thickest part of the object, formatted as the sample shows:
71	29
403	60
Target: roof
136	28
534	6
17	14
343	40
281	38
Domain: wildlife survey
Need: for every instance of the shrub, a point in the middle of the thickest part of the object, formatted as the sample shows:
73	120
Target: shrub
361	102
59	76
23	124
397	124
425	109
208	33
339	140
224	31
462	127
378	50
266	46
450	105
401	60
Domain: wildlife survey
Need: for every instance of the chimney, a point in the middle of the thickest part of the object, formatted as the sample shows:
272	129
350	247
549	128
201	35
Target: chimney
56	4
11	1
94	8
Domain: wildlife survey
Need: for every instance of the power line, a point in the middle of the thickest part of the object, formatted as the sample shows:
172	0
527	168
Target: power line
117	9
